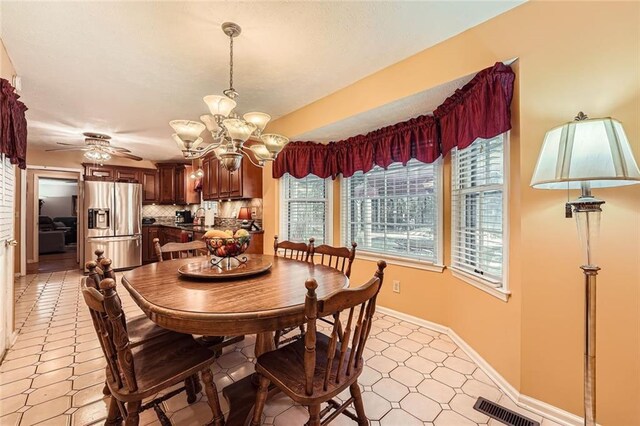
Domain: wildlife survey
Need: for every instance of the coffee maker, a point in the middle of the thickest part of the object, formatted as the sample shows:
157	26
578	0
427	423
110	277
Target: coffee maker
184	216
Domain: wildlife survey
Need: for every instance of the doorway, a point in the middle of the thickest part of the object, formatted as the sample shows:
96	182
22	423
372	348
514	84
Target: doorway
53	224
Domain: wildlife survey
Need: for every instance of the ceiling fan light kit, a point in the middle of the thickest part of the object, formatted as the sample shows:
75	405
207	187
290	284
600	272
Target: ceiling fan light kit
229	130
97	148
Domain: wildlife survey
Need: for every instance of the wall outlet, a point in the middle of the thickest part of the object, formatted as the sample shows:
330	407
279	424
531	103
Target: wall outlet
396	286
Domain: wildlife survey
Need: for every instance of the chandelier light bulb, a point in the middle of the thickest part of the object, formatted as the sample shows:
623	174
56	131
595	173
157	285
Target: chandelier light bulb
199	172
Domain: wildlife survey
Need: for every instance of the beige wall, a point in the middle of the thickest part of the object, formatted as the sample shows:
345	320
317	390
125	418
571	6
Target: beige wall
571	57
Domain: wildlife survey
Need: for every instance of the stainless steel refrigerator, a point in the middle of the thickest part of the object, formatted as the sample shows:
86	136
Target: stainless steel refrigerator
113	222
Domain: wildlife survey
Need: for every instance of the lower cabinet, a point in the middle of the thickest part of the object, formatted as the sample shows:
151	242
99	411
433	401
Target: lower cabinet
148	251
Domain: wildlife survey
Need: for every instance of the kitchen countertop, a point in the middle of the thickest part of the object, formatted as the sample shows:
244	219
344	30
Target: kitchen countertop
194	228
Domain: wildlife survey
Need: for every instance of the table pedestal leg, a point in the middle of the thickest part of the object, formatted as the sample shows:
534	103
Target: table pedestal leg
241	395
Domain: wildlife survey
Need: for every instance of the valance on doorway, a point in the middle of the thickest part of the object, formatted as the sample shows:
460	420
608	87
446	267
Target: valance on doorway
480	109
13	125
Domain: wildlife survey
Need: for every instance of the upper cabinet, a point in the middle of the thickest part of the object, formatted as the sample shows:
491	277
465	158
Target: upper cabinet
150	186
169	184
175	185
221	184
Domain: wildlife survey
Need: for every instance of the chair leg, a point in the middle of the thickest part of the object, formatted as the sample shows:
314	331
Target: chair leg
276	339
113	415
314	415
212	397
357	396
261	398
133	413
190	386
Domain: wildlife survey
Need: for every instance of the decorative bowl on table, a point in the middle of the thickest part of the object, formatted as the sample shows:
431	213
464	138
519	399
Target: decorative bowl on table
227	245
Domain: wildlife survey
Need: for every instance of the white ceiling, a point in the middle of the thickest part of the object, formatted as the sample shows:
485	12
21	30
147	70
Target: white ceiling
127	68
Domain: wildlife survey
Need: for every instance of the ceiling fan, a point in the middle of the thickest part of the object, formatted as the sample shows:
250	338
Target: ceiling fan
98	148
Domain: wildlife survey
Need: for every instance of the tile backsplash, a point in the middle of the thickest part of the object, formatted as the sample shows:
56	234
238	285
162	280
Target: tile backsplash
223	209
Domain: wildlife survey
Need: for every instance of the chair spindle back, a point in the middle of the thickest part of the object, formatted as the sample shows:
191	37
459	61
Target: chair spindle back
359	304
179	250
340	258
291	250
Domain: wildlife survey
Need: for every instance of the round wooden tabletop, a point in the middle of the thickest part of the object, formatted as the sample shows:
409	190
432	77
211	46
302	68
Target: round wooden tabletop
261	303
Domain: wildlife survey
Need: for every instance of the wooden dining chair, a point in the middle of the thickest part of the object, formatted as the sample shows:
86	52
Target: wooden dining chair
141	329
135	373
292	250
179	250
340	258
314	370
295	251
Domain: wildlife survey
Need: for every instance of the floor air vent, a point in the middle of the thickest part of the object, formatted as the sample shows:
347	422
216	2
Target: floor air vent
502	414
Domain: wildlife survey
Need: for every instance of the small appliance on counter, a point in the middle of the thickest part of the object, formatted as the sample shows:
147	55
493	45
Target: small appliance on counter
148	220
184	216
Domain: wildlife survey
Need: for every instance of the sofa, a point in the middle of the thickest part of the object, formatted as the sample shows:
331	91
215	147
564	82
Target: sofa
71	222
53	235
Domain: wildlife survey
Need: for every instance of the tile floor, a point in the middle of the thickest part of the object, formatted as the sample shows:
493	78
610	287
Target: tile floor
54	373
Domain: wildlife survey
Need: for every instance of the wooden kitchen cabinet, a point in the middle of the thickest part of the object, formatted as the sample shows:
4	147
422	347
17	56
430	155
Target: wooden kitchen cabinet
98	172
150	186
210	179
221	184
173	181
127	175
148	251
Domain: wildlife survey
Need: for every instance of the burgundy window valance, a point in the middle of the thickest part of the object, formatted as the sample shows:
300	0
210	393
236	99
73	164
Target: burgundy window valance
415	138
480	109
13	125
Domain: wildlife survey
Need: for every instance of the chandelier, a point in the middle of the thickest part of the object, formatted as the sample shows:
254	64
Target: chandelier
229	130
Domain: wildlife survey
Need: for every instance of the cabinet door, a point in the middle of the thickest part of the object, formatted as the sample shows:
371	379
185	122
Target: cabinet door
251	180
235	182
180	185
167	185
150	187
225	183
206	169
148	249
127	175
214	181
97	172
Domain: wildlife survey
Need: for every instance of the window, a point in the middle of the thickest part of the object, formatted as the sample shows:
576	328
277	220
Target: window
305	209
478	214
394	211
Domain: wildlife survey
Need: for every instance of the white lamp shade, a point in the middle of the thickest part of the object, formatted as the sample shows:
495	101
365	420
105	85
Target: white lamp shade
219	105
187	130
595	151
273	142
261	152
185	145
260	119
238	129
179	141
210	122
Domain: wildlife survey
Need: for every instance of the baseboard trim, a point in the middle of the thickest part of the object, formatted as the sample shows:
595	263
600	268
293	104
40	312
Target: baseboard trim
536	406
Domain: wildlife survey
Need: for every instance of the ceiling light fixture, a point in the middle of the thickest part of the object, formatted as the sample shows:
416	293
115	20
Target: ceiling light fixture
229	130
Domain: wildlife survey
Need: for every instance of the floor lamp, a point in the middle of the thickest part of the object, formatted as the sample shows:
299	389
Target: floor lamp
585	154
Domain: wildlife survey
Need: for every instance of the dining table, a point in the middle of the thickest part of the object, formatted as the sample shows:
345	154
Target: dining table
231	305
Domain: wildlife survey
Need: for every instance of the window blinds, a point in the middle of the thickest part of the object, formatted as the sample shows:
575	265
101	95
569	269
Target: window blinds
304	209
477	217
393	211
7	194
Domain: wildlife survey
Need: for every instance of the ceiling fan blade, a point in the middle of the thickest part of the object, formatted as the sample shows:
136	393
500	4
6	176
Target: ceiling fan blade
75	148
125	155
67	144
116	149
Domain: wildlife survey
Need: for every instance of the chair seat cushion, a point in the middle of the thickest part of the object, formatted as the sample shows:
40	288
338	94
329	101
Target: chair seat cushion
285	368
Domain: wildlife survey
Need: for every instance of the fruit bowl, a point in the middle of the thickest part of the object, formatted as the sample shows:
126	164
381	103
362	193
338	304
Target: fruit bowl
226	245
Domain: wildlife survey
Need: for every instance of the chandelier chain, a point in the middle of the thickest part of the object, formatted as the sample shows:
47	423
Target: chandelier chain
231	63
